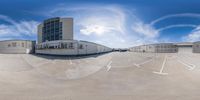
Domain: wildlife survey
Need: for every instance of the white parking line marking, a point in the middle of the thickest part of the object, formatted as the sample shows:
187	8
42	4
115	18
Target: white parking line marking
172	57
138	65
70	61
190	66
40	64
162	68
109	66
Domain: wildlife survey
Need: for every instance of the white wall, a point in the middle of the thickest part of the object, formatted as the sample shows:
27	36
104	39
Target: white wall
87	48
16	46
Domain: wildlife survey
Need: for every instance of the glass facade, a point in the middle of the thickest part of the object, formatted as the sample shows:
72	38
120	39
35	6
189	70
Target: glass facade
52	30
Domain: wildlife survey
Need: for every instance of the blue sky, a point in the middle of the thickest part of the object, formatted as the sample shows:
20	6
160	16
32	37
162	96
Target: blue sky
114	23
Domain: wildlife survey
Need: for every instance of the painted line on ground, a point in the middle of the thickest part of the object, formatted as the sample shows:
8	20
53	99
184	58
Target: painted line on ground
40	64
172	57
138	65
186	63
70	61
108	66
190	66
26	60
162	67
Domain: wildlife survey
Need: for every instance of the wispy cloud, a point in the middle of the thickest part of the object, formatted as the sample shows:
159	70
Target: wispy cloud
195	33
177	25
145	30
17	30
193	36
175	15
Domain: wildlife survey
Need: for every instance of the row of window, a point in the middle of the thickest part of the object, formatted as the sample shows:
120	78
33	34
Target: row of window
14	44
52	30
59	46
52	37
165	46
197	45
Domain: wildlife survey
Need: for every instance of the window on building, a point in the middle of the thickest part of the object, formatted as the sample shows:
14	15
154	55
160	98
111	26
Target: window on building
22	44
51	47
62	45
14	44
80	46
9	45
71	46
66	45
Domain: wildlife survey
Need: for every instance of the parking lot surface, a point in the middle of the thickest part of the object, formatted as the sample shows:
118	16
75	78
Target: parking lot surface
111	76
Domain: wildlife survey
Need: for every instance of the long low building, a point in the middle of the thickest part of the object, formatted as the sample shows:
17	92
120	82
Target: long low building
183	47
70	47
156	48
17	47
196	47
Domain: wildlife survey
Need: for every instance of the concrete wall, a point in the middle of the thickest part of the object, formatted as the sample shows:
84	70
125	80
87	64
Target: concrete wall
67	24
39	36
16	47
79	48
185	49
196	47
165	48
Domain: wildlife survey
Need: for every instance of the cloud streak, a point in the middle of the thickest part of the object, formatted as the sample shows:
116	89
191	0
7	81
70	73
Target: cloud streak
177	25
195	15
17	30
193	36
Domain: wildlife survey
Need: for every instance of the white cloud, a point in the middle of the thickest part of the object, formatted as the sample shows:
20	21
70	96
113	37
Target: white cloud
196	15
193	36
17	30
145	30
95	29
102	20
177	25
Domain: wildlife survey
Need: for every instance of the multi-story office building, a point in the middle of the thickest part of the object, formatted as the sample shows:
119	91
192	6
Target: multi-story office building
55	29
55	37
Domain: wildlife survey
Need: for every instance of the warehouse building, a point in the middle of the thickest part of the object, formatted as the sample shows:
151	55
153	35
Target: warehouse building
196	47
70	47
55	37
156	48
17	47
184	47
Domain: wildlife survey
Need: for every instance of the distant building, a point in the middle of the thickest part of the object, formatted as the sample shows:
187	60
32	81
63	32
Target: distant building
17	47
55	37
196	47
184	47
156	48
